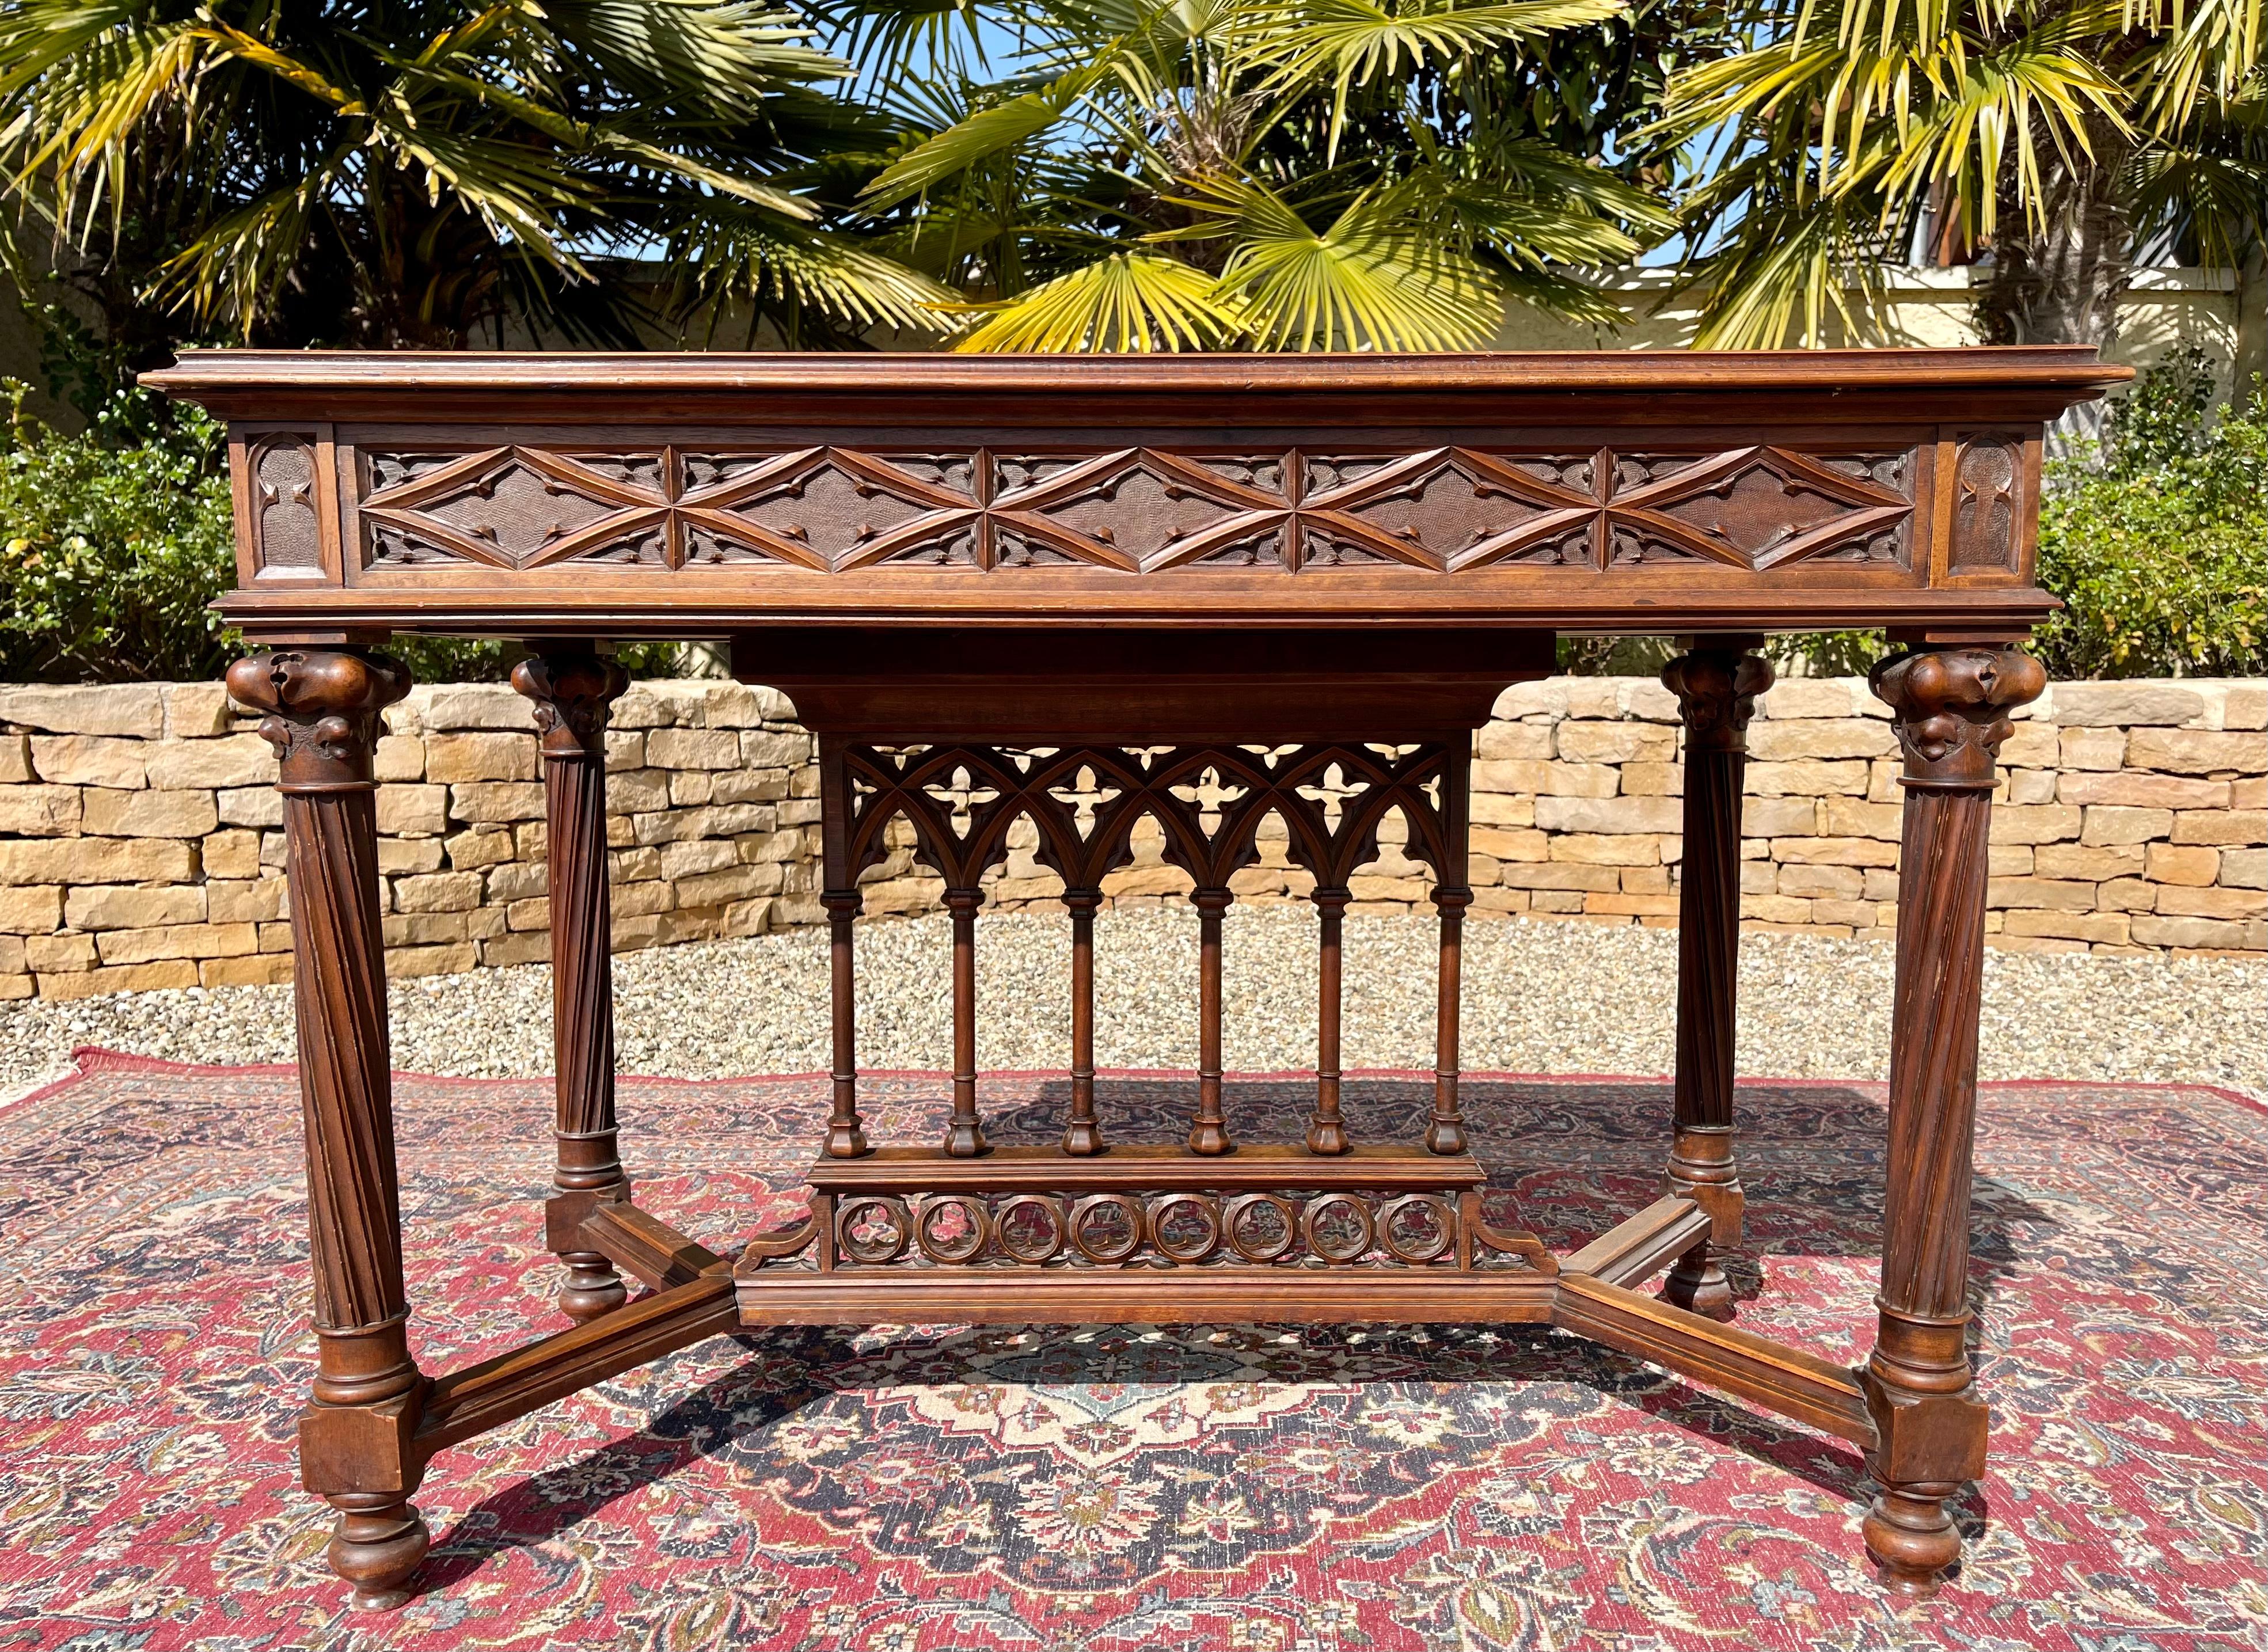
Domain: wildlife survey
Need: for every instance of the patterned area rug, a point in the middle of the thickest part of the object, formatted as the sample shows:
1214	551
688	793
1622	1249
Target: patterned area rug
1105	1490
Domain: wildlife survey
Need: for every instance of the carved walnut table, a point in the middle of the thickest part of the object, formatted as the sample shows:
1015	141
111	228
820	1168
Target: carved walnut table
1086	593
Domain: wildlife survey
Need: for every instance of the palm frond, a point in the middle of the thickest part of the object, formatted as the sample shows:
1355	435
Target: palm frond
1127	301
1377	279
730	53
748	257
981	137
1357	43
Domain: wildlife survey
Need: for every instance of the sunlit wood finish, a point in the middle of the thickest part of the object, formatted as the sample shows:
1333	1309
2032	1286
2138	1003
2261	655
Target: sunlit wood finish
1087	594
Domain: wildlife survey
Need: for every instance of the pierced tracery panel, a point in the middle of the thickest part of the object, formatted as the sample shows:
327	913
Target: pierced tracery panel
1085	802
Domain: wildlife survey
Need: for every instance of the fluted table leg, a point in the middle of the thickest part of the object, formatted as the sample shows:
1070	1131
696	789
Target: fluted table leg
1950	707
573	691
322	716
1717	685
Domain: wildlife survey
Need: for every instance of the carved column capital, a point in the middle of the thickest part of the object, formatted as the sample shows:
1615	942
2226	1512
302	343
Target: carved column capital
1717	690
1950	708
322	709
574	694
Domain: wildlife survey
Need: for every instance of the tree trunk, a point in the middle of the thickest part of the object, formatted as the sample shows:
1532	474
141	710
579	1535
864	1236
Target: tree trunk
2057	278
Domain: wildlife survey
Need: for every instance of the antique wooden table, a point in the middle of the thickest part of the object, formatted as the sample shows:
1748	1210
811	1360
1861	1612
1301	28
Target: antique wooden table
1085	593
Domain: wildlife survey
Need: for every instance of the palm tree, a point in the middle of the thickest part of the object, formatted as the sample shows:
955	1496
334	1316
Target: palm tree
1270	175
2064	135
375	172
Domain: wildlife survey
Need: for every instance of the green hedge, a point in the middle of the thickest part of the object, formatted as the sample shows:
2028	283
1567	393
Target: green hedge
2160	551
114	549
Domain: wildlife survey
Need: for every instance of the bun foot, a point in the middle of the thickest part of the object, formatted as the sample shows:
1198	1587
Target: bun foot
375	1546
593	1287
1697	1283
1911	1538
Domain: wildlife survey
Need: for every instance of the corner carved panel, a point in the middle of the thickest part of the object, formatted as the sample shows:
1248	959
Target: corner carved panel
287	536
1987	482
1135	510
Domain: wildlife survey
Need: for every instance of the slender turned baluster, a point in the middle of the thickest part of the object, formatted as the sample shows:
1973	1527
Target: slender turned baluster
1326	1133
1950	707
573	692
1209	1134
845	1139
1444	1130
964	1137
1717	685
1082	1136
354	1440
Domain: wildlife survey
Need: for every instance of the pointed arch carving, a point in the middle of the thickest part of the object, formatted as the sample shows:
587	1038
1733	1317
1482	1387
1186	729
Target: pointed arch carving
1209	800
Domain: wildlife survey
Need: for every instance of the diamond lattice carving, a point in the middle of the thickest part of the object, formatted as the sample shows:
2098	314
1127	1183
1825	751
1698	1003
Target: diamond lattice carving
1751	507
829	510
510	507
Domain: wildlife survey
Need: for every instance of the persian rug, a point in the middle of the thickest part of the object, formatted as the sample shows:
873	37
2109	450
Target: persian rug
1460	1488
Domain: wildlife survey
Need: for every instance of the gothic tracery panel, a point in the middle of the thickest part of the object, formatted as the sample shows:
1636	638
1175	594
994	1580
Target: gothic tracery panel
1210	802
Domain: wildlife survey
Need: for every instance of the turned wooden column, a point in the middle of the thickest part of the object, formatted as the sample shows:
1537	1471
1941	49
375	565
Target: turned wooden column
1444	1129
1717	682
323	718
1082	1136
1327	1130
573	691
841	898
1209	1131
1949	706
964	1135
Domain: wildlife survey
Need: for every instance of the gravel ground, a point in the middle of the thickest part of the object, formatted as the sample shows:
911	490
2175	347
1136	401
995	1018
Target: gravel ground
1539	998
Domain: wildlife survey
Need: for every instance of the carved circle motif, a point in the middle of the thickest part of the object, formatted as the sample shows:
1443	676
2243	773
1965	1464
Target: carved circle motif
1107	1227
1337	1227
951	1228
873	1227
1416	1227
1029	1228
1261	1227
1185	1227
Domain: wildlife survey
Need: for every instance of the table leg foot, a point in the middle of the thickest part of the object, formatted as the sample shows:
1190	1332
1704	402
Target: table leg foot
376	1545
593	1287
1911	1538
1697	1283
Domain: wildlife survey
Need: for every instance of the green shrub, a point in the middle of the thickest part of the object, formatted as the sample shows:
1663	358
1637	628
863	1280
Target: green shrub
111	553
2161	549
2156	541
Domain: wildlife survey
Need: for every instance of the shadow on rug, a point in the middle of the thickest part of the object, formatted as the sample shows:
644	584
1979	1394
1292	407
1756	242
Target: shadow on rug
1240	1487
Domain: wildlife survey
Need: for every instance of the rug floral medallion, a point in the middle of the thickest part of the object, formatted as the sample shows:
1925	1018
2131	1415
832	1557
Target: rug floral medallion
1257	1489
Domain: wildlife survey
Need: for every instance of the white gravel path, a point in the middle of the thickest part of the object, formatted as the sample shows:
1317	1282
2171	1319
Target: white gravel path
1539	998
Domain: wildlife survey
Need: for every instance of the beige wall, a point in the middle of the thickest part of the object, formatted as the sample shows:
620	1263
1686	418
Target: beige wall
140	843
1933	307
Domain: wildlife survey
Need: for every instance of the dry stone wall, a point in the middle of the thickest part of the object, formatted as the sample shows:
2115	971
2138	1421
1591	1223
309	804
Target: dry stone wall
140	845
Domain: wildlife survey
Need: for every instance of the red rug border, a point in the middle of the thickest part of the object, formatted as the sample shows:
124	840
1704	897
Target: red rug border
91	1059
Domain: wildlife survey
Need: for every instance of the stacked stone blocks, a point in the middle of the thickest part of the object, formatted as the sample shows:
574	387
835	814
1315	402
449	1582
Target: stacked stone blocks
140	842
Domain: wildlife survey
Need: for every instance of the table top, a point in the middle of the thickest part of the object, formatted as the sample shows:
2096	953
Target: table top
714	495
